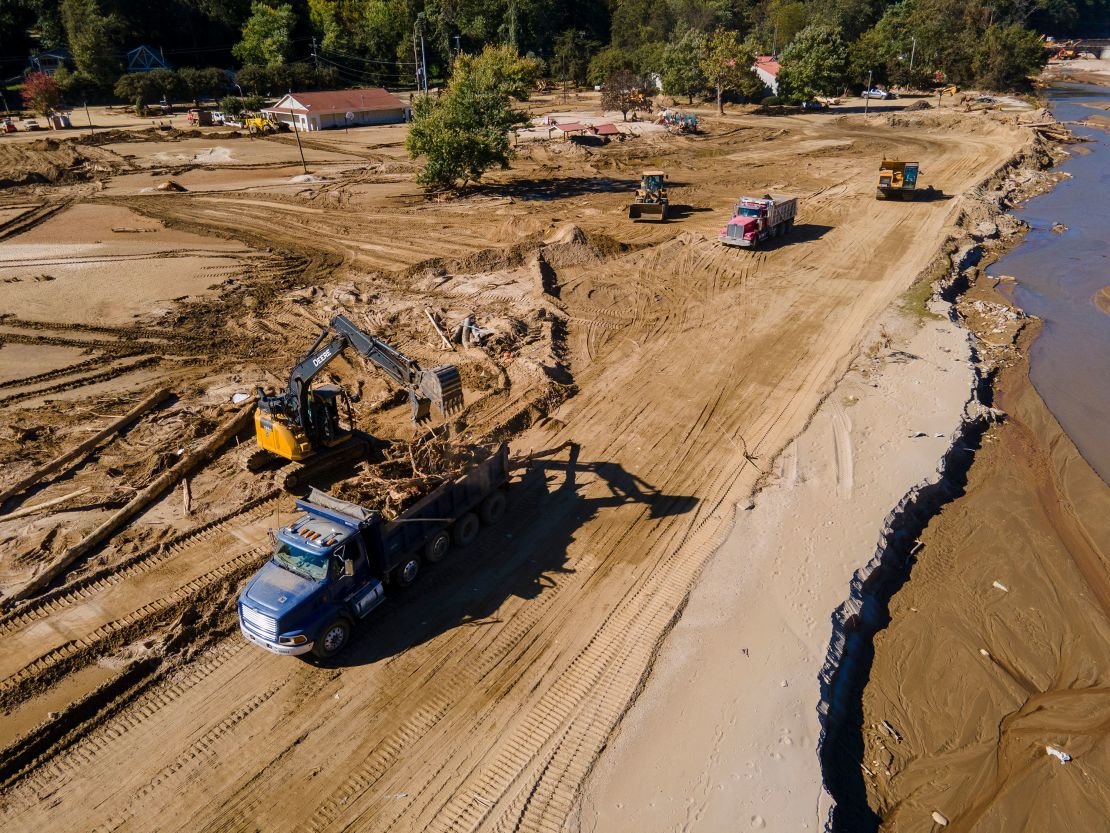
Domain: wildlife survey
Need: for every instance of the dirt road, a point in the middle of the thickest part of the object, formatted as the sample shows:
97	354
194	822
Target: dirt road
482	699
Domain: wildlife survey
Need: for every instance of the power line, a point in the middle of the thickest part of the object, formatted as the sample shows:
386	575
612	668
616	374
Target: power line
348	56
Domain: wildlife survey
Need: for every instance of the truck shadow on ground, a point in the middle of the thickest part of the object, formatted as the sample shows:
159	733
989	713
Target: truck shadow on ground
557	494
799	234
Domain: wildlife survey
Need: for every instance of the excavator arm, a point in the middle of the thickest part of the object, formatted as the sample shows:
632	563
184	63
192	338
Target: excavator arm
440	386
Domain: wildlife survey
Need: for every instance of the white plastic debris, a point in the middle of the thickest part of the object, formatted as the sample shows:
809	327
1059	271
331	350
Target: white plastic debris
940	818
236	398
1058	753
985	652
1001	587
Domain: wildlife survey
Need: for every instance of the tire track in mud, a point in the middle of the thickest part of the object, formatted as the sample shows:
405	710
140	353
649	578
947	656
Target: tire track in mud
83	381
103	631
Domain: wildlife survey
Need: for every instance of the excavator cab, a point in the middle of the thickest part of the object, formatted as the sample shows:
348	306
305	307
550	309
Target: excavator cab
897	180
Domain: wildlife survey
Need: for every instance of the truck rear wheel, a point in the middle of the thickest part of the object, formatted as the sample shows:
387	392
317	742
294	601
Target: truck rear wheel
406	574
332	639
436	549
465	530
493	508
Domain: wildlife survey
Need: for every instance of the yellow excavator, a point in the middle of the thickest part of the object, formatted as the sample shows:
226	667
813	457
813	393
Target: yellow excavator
302	425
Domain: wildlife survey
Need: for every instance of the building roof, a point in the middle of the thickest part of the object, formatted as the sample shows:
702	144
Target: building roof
767	64
338	101
607	129
571	126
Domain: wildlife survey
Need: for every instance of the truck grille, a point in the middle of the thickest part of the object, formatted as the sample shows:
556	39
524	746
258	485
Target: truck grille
260	623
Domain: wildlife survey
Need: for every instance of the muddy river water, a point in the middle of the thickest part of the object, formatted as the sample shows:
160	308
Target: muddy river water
1061	274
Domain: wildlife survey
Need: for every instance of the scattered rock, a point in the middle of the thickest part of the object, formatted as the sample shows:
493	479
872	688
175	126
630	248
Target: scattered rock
1063	756
1001	587
940	818
171	185
1059	228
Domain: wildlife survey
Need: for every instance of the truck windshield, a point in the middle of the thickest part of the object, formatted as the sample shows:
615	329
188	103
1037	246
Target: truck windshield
749	212
302	562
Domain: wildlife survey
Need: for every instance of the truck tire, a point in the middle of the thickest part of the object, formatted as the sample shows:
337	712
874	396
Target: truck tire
332	639
436	548
406	573
465	530
493	508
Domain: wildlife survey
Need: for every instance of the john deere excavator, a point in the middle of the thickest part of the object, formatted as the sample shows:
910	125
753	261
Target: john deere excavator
301	425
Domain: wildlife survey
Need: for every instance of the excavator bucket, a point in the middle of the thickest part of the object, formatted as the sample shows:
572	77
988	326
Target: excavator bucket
440	387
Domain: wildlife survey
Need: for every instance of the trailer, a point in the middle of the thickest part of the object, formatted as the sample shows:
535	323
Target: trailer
338	561
756	219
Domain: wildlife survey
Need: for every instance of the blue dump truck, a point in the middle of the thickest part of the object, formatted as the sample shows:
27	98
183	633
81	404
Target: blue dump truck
335	563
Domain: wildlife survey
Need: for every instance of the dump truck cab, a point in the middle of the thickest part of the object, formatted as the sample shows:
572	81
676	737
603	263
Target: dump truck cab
897	180
320	572
755	219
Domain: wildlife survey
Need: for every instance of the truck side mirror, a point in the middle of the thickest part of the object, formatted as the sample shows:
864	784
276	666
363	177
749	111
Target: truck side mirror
348	567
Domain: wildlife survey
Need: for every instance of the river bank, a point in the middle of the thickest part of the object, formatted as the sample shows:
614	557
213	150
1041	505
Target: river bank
996	652
727	719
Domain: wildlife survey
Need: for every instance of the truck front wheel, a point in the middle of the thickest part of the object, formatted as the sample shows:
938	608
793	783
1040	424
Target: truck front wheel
466	530
332	639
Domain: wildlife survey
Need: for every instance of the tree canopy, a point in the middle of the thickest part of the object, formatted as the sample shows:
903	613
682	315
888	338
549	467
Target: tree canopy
464	131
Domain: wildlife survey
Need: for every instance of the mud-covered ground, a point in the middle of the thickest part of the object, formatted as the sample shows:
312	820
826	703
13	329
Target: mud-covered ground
650	372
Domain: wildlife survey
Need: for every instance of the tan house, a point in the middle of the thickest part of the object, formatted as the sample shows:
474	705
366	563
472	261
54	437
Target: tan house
339	108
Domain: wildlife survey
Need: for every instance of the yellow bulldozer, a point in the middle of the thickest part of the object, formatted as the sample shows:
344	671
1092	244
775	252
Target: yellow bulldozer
897	180
651	197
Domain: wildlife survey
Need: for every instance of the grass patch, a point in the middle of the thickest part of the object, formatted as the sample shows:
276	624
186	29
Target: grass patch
914	301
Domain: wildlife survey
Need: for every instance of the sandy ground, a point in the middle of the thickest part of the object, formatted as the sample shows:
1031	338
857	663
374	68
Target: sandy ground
725	732
483	699
998	645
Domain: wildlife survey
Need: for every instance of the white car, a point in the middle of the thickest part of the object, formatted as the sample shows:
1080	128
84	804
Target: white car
883	95
217	117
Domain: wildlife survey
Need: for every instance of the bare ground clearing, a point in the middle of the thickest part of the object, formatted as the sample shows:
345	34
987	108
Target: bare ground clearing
482	700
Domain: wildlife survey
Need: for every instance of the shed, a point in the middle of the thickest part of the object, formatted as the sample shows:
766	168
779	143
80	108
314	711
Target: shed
321	110
606	129
50	60
767	68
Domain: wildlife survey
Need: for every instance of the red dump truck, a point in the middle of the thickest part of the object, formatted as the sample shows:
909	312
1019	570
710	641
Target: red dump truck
756	219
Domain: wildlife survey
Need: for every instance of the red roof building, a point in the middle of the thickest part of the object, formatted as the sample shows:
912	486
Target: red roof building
340	108
767	68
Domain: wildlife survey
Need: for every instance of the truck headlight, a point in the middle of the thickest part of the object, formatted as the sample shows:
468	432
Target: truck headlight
299	639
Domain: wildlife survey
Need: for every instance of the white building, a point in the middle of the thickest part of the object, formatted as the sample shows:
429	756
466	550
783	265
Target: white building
319	111
767	68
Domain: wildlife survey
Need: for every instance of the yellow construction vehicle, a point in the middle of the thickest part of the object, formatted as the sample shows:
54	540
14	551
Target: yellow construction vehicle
897	180
951	89
302	425
260	125
651	197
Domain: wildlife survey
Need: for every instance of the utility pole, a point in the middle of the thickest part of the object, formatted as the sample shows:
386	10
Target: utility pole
458	49
512	25
297	133
88	115
913	50
315	59
423	57
416	57
867	100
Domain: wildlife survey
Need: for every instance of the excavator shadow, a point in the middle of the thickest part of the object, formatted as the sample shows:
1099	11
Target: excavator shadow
524	556
557	187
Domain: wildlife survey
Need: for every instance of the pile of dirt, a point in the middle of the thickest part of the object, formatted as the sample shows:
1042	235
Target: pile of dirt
42	161
920	104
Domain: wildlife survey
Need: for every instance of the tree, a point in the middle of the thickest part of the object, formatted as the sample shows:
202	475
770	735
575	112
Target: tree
136	86
572	55
727	64
1008	55
624	90
94	39
41	93
465	130
266	35
607	61
816	63
682	64
198	83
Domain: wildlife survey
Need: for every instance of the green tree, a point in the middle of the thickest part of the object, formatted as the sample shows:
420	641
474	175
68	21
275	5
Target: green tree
136	87
465	130
727	64
788	18
607	61
266	35
815	63
197	83
682	64
95	41
41	93
1007	56
572	55
254	78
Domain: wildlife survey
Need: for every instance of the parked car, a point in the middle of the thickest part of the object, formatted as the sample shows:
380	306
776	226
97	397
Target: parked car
7	126
217	117
882	95
31	124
